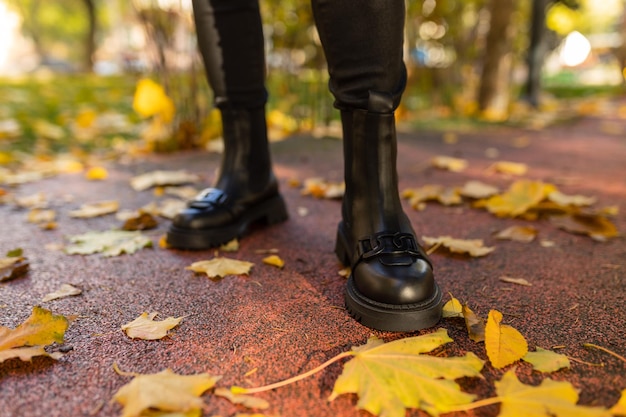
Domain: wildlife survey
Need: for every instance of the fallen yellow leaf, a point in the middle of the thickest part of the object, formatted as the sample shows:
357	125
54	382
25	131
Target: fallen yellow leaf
157	178
109	243
619	409
478	189
96	209
247	401
320	188
544	360
510	168
41	216
13	267
518	281
449	163
548	399
571	200
525	234
473	247
391	377
145	327
66	290
475	325
151	100
504	344
274	260
452	308
165	391
521	196
597	227
221	267
40	329
97	174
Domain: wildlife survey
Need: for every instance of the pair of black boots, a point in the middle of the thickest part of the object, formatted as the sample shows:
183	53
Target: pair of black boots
391	286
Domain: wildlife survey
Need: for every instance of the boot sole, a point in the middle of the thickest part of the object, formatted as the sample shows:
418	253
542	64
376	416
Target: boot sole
388	317
268	212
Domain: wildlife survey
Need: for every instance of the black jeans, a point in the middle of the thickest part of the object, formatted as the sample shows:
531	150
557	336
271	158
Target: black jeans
362	40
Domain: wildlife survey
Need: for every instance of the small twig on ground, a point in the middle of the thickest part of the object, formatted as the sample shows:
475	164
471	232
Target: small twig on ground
610	352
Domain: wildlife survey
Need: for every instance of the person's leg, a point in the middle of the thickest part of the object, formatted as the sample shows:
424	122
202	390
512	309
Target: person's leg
230	39
391	286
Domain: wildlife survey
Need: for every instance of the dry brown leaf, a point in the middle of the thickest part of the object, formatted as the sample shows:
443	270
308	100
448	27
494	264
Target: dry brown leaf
66	290
274	260
156	178
475	325
247	401
518	281
13	267
524	234
596	226
504	344
220	267
145	327
473	247
449	163
143	221
478	189
96	209
165	391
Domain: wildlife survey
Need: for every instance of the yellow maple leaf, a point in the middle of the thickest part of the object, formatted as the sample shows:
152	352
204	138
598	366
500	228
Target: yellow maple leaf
473	247
391	377
544	360
40	329
164	391
274	260
221	266
504	344
510	168
151	100
619	409
521	196
548	399
145	327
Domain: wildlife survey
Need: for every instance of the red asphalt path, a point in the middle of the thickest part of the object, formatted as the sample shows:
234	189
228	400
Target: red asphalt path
282	322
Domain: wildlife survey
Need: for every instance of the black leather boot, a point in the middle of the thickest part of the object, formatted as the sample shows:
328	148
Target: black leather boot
391	286
246	191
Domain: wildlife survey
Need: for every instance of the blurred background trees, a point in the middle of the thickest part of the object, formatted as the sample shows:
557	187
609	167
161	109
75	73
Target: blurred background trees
484	59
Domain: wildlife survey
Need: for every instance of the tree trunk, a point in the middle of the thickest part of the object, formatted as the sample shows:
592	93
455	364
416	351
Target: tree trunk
90	37
493	95
536	51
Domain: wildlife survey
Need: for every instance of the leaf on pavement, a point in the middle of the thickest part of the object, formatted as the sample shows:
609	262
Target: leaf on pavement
141	221
544	360
518	281
595	226
520	197
96	174
475	325
164	391
13	267
509	168
525	234
145	327
320	188
448	196
570	200
99	208
548	399
66	290
504	344
449	163
161	178
220	267
232	246
391	377
41	216
619	409
109	243
452	308
473	247
274	260
478	189
247	401
28	339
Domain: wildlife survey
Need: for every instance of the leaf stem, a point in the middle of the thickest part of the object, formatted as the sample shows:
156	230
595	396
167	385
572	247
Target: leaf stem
476	404
296	378
610	352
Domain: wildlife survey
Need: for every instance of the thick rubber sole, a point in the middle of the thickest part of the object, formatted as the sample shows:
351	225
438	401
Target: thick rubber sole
268	212
388	317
